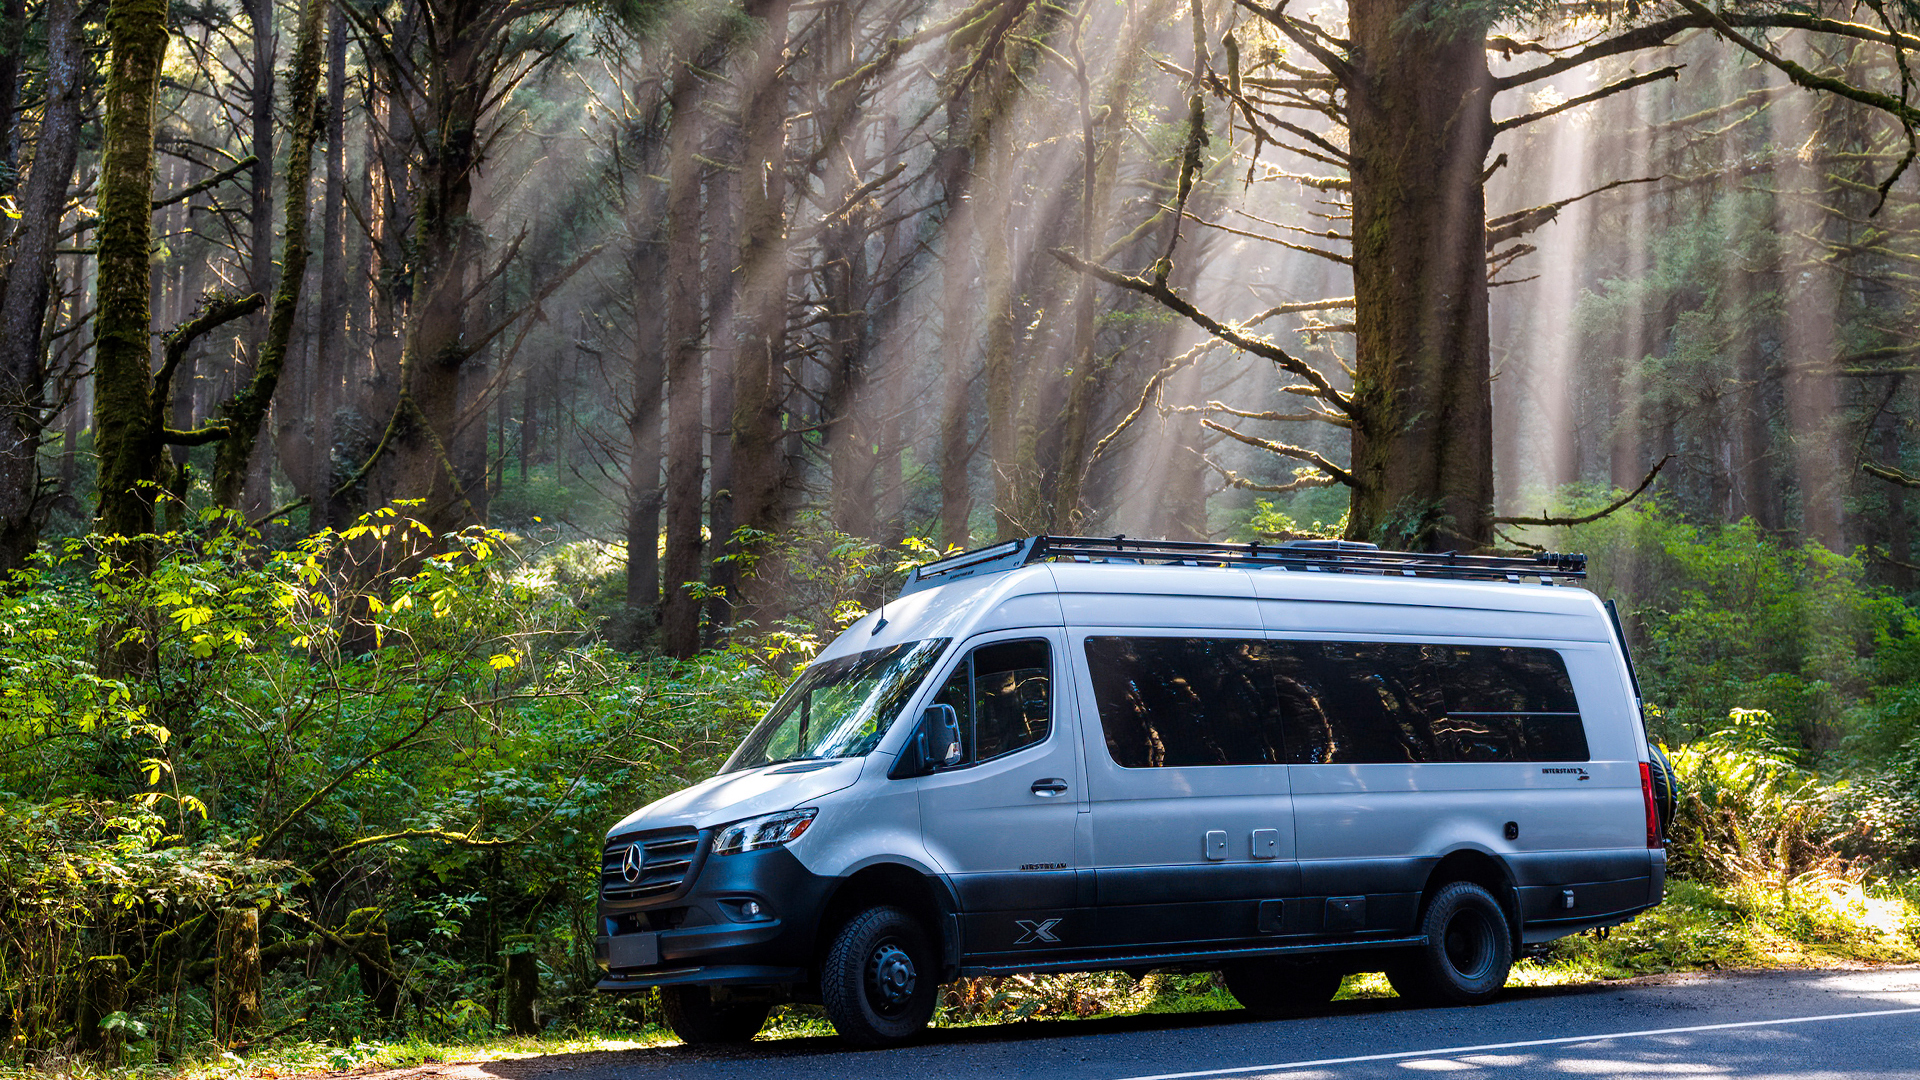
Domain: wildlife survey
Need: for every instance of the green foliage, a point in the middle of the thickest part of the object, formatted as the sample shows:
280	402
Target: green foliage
827	580
1725	617
376	718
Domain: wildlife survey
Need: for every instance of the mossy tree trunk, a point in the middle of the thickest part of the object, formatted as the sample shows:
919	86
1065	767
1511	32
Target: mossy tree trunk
366	932
237	973
125	434
1421	126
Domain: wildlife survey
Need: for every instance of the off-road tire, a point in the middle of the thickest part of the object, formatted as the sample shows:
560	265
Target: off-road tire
1281	988
878	980
1468	953
700	1021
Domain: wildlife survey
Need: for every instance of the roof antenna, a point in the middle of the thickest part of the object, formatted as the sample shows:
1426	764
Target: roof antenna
877	627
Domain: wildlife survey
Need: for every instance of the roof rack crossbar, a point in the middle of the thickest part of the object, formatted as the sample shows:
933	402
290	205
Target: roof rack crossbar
1327	556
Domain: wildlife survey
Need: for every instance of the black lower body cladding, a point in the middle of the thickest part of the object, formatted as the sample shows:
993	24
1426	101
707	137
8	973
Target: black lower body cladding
748	919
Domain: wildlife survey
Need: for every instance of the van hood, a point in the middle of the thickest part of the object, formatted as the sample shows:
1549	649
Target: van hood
748	793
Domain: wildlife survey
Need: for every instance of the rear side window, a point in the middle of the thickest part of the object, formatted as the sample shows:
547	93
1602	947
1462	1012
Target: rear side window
1184	701
1003	694
1357	703
1212	701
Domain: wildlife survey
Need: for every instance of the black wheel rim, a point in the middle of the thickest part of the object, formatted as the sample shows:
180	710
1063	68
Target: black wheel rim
891	978
1468	944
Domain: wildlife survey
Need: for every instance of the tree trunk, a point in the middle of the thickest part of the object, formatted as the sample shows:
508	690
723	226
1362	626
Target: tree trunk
997	367
523	987
680	609
23	304
759	465
1421	126
723	233
366	931
13	32
643	439
244	413
124	434
418	461
330	341
956	361
103	992
236	986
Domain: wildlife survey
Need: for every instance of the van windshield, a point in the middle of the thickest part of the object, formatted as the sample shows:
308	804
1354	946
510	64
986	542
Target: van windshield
839	708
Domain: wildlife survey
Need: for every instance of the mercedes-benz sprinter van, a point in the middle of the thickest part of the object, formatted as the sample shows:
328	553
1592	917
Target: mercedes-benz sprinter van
1286	763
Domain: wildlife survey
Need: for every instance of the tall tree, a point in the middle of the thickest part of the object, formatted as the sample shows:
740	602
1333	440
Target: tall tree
125	435
246	411
686	416
760	475
27	284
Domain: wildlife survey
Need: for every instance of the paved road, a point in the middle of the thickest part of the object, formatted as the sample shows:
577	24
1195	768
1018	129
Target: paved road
1821	1025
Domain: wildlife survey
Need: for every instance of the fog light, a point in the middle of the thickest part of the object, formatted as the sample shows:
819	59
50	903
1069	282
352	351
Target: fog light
751	909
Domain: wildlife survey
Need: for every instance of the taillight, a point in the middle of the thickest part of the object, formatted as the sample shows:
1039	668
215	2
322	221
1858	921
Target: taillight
1653	814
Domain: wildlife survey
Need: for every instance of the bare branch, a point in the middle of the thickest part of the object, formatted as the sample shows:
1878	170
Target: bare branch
1606	91
215	180
1235	480
1521	222
1172	300
1596	515
1298	453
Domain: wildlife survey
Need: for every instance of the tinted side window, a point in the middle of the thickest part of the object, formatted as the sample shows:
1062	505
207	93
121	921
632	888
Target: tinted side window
1012	696
1168	702
1003	694
1372	703
1353	703
1507	704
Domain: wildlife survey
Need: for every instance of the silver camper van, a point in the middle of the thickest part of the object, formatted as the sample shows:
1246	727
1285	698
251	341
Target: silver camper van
1286	763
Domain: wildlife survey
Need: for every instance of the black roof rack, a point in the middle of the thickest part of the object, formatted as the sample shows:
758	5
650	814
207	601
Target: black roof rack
1312	556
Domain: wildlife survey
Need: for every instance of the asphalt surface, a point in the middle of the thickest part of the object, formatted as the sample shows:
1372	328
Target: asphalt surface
1810	1025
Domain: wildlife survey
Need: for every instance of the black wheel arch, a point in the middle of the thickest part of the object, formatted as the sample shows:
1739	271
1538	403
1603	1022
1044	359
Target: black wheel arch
1484	869
925	896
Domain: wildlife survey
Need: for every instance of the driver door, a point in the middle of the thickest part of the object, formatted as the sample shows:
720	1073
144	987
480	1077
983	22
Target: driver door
1001	821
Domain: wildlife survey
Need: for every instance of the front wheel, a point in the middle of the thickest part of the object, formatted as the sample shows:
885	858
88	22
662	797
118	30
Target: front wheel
878	979
1279	988
701	1021
1468	953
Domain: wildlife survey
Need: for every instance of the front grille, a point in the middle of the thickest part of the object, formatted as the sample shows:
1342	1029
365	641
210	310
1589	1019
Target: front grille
668	860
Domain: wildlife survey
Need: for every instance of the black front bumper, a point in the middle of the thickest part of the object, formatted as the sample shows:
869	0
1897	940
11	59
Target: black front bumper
704	934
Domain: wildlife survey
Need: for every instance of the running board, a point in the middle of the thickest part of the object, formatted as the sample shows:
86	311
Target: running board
1119	961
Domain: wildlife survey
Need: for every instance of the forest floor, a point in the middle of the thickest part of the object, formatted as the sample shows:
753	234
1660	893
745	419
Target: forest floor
1815	922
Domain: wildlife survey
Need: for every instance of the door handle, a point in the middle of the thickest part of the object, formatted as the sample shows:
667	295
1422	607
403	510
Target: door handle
1049	787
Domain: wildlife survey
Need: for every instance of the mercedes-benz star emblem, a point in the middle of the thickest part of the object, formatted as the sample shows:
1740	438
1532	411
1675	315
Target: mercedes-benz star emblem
632	863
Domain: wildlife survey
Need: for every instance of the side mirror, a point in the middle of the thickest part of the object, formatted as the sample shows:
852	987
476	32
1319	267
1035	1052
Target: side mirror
940	726
935	744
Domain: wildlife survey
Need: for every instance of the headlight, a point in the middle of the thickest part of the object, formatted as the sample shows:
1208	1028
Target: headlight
767	831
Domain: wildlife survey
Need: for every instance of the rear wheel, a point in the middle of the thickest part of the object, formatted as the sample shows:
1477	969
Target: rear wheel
1468	953
878	979
699	1020
1280	988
